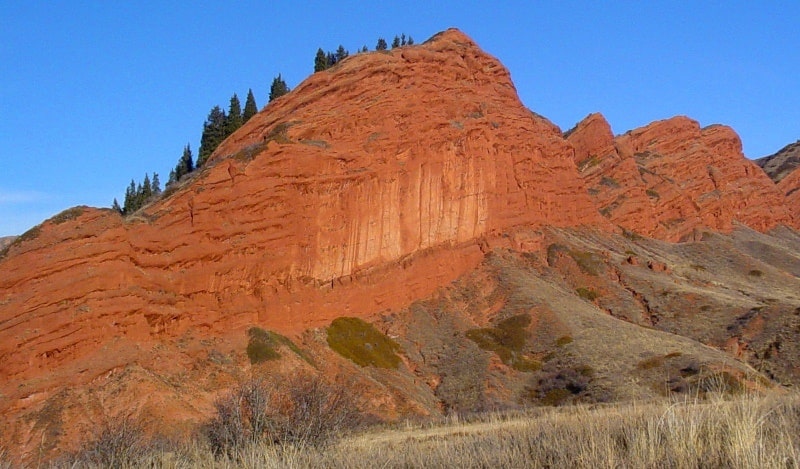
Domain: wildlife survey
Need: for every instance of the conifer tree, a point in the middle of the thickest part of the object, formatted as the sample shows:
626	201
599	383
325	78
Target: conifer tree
410	41
128	206
147	189
403	39
156	185
278	88
185	163
381	44
234	120
365	49
395	42
330	60
320	61
138	199
341	53
250	108
213	135
115	206
173	178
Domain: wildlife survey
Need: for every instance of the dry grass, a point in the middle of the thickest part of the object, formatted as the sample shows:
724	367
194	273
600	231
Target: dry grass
742	433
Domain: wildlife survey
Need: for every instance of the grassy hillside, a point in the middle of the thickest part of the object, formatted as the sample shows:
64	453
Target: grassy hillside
745	432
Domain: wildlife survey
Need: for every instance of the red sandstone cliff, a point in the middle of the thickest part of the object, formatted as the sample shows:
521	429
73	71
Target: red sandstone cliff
671	177
401	165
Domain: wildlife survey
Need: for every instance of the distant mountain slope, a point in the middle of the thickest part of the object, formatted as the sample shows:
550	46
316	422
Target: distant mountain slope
779	165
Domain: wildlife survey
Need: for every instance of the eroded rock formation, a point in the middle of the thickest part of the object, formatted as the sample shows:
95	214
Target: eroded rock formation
671	178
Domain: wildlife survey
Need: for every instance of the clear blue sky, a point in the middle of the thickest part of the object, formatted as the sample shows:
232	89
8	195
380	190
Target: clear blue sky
97	93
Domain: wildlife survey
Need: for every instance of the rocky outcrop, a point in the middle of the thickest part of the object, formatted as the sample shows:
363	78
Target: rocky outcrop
790	186
782	163
671	178
368	187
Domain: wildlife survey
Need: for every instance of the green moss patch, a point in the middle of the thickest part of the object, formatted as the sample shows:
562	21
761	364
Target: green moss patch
361	343
263	346
587	293
589	263
564	340
507	340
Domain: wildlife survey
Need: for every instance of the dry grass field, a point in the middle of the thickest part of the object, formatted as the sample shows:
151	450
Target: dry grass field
747	431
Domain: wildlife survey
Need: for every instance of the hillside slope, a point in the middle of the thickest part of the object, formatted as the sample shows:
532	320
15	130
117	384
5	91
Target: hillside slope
782	163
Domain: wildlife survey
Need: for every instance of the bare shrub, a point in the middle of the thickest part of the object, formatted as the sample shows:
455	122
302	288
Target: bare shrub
119	443
302	409
318	411
242	416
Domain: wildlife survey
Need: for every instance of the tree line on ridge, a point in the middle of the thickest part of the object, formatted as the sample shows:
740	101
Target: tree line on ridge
220	124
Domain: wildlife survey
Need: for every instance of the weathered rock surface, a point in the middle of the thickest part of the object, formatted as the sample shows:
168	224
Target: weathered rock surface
782	163
790	186
671	178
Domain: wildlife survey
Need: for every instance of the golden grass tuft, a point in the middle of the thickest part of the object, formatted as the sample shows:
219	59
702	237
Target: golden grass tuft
263	346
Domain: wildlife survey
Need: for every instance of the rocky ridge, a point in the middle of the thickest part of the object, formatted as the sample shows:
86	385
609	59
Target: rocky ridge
671	178
782	163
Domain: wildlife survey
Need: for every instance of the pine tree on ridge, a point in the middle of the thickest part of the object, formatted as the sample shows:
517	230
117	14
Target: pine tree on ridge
250	108
278	88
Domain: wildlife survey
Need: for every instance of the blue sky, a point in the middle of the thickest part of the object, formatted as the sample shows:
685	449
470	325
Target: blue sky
97	93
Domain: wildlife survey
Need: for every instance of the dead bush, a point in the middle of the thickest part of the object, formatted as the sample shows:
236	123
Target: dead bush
242	416
120	443
318	411
301	409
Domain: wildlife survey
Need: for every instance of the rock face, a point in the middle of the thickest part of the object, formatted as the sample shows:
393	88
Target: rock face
671	178
782	163
368	187
366	192
790	186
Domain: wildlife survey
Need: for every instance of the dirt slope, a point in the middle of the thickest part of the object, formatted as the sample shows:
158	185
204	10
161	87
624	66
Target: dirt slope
782	163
